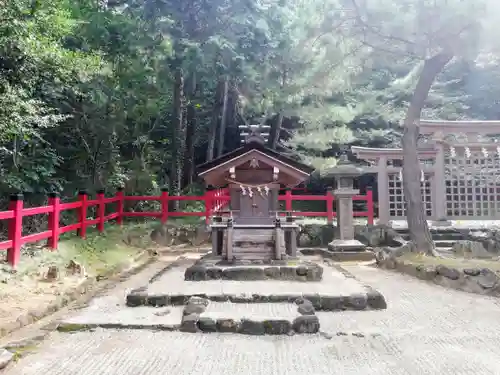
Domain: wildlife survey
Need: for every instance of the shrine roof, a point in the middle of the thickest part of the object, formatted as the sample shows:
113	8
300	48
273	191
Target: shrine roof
249	147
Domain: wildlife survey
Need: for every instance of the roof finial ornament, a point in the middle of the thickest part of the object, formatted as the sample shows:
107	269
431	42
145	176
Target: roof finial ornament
254	133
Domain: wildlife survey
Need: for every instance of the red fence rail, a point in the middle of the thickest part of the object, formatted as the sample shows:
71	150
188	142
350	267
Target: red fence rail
215	201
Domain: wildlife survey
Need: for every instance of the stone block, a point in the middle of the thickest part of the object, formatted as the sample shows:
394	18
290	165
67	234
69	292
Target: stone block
189	323
472	271
346	245
207	324
195	300
242	298
252	327
302	271
450	273
243	273
227	325
282	298
376	300
288	273
487	278
332	303
426	272
306	309
277	326
272	272
158	300
306	324
178	299
193	309
196	273
136	299
214	273
357	301
314	273
315	300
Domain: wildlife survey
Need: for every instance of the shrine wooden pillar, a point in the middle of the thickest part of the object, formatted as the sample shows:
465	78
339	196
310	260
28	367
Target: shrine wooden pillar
439	184
383	190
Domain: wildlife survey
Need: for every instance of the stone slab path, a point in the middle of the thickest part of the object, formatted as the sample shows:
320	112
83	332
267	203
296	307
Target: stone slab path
426	329
256	311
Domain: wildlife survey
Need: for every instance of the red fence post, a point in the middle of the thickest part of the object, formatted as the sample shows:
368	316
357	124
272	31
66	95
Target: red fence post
209	198
119	205
164	205
329	205
82	215
369	205
15	229
54	216
101	210
288	199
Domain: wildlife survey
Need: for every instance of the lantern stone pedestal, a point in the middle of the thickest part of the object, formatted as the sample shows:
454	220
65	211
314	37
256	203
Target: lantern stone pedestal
344	173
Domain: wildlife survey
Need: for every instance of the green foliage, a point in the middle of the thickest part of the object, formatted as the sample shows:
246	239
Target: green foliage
87	90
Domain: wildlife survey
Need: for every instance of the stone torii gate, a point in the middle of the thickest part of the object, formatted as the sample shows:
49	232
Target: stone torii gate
460	171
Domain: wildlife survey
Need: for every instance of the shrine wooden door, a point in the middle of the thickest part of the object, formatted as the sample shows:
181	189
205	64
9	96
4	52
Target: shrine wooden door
254	209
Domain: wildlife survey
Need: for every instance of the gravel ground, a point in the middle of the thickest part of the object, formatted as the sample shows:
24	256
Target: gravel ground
425	330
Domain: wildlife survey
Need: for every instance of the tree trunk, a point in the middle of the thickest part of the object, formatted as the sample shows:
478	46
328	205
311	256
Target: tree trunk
223	120
212	134
188	173
178	137
274	136
415	214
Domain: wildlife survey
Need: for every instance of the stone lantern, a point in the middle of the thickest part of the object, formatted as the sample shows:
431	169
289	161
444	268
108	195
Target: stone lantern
344	173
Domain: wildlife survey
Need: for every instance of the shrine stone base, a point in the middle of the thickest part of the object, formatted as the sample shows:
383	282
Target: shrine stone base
338	290
346	246
215	268
260	307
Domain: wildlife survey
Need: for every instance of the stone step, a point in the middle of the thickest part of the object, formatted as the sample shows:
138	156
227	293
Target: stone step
256	256
255	237
253	244
444	244
252	319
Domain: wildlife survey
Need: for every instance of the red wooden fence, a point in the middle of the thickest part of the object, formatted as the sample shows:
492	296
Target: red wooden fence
215	201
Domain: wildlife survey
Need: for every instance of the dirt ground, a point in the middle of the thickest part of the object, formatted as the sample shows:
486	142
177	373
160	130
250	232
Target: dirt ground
43	278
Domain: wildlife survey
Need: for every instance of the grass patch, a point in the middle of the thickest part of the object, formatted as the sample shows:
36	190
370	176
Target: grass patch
21	351
458	263
97	253
100	251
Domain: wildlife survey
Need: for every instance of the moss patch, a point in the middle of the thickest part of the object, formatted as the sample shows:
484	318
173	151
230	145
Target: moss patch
73	328
21	351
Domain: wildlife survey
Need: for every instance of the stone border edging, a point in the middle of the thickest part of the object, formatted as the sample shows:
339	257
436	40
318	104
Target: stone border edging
375	299
193	321
371	300
302	273
472	280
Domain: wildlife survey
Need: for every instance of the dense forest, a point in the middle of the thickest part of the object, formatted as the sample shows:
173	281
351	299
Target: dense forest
97	93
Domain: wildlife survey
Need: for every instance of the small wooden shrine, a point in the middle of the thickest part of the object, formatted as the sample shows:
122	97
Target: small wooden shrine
254	174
